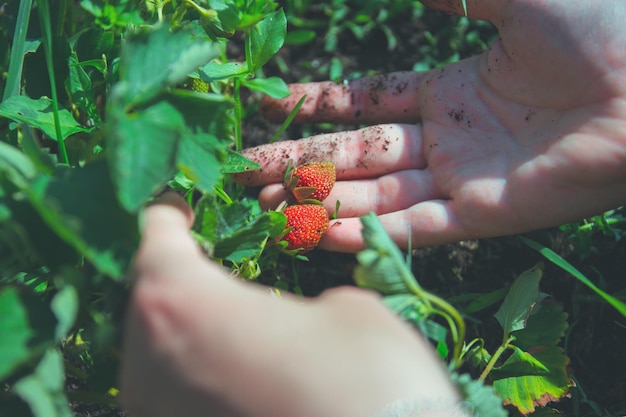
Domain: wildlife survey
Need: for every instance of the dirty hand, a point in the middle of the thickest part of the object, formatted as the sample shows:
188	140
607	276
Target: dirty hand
530	134
199	342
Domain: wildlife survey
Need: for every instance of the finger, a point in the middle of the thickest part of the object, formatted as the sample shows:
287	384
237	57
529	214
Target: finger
364	153
386	194
429	223
165	236
387	98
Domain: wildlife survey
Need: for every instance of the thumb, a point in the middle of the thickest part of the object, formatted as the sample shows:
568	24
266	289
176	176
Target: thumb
165	238
168	213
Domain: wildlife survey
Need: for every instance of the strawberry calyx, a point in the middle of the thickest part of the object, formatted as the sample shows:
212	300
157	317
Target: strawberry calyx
309	183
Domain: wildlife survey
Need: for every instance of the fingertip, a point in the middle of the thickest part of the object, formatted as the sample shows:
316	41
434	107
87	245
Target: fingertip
169	210
343	235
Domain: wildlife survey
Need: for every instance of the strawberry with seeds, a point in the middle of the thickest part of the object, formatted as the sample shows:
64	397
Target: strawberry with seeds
306	223
310	182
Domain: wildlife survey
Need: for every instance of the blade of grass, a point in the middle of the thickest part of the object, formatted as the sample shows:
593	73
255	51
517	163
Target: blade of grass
288	120
44	21
566	266
16	61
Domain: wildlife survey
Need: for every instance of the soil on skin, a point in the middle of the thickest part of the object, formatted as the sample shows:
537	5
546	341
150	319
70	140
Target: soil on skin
596	336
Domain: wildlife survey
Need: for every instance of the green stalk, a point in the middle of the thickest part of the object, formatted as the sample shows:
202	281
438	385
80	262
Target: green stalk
16	61
238	115
44	20
63	10
610	222
288	120
495	357
455	321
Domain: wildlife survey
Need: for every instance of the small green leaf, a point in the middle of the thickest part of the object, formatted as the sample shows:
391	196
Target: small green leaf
38	114
16	166
519	301
478	399
64	305
273	86
299	37
27	328
214	71
199	158
520	363
43	390
265	39
381	265
236	162
248	241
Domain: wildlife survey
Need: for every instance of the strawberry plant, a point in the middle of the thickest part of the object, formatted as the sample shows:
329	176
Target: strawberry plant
109	121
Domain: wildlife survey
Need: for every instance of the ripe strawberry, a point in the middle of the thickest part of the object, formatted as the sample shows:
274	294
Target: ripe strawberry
311	181
306	223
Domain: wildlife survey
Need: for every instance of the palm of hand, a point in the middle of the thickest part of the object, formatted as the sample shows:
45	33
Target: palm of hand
528	135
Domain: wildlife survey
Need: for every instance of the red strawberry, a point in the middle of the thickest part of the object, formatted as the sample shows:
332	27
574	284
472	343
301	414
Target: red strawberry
306	223
311	181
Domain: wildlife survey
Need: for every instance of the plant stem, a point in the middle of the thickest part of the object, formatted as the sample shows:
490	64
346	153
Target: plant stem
238	114
495	357
455	321
609	221
17	51
44	20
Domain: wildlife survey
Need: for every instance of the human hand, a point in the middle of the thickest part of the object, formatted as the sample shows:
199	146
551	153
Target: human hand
529	134
199	342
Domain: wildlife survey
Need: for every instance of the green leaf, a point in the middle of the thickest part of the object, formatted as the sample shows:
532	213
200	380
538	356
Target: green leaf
16	166
64	305
299	37
519	301
204	113
478	399
520	363
142	149
80	90
214	71
27	328
381	265
528	392
152	60
236	162
80	206
544	327
248	241
199	158
265	39
43	390
273	86
566	266
38	113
